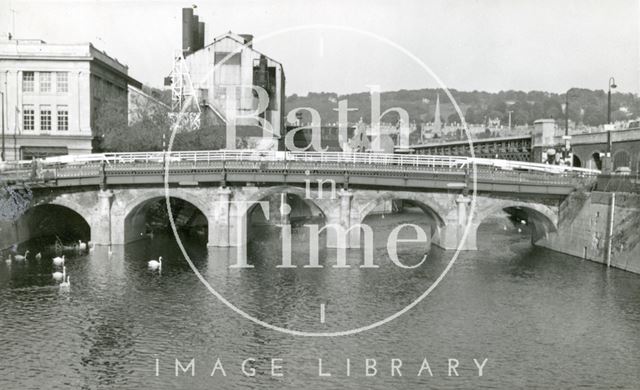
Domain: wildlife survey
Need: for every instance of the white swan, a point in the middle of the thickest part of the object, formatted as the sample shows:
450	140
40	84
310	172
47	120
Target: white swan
519	230
21	257
65	285
82	246
155	264
58	260
147	234
58	276
524	222
38	256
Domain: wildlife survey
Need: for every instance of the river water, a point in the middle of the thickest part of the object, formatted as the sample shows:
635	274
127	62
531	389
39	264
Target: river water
541	319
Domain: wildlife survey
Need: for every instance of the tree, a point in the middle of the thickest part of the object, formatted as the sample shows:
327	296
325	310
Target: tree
115	134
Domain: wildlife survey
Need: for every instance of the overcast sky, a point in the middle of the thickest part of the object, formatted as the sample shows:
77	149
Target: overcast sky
490	45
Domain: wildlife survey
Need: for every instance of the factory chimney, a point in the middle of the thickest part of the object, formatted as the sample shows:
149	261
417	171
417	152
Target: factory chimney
192	32
201	34
187	28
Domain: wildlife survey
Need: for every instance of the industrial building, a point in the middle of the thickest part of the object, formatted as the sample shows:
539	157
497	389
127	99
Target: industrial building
51	94
223	72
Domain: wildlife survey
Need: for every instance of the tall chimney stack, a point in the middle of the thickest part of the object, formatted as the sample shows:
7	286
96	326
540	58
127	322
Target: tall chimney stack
187	31
194	33
201	34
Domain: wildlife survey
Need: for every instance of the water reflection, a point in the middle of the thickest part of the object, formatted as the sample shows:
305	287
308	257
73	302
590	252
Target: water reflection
542	318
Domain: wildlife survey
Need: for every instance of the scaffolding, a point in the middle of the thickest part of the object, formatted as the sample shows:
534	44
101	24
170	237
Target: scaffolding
185	109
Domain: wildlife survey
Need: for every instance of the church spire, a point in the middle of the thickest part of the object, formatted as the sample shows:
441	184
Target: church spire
437	125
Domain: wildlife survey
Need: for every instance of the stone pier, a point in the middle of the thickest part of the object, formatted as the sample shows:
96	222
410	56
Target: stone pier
110	213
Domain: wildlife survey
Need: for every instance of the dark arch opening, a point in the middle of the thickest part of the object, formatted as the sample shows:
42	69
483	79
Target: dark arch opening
576	161
595	162
264	231
511	225
621	159
49	225
301	211
151	218
390	213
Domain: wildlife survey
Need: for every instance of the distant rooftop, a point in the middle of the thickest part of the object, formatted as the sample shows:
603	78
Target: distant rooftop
242	40
39	49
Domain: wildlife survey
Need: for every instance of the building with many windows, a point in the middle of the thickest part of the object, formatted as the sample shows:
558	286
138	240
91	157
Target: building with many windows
53	94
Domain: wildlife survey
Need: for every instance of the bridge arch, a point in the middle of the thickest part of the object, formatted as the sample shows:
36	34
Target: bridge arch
421	200
240	213
543	219
52	220
577	161
132	212
594	162
324	205
621	158
74	206
426	202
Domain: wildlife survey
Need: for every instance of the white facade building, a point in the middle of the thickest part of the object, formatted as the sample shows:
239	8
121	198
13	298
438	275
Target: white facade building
52	93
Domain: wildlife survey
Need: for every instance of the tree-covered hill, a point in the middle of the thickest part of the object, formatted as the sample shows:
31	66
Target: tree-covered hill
585	106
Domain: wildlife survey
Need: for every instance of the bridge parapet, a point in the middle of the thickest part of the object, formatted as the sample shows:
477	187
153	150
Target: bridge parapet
359	169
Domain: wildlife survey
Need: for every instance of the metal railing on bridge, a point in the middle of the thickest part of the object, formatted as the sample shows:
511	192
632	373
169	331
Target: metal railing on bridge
91	165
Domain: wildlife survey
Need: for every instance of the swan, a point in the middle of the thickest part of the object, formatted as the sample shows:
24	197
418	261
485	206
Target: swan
58	276
524	222
65	285
38	256
155	264
82	246
519	230
21	257
147	234
58	260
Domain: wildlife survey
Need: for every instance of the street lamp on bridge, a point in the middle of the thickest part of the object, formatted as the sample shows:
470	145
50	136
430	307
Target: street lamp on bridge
612	84
567	137
608	163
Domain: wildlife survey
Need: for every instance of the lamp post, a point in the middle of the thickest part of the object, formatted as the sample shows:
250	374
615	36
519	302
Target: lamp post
567	137
566	112
2	153
612	84
607	164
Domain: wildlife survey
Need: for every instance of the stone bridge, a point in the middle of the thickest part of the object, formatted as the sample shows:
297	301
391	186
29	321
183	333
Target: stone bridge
116	215
106	197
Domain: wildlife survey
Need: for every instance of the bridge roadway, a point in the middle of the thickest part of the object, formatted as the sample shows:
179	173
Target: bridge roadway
360	170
